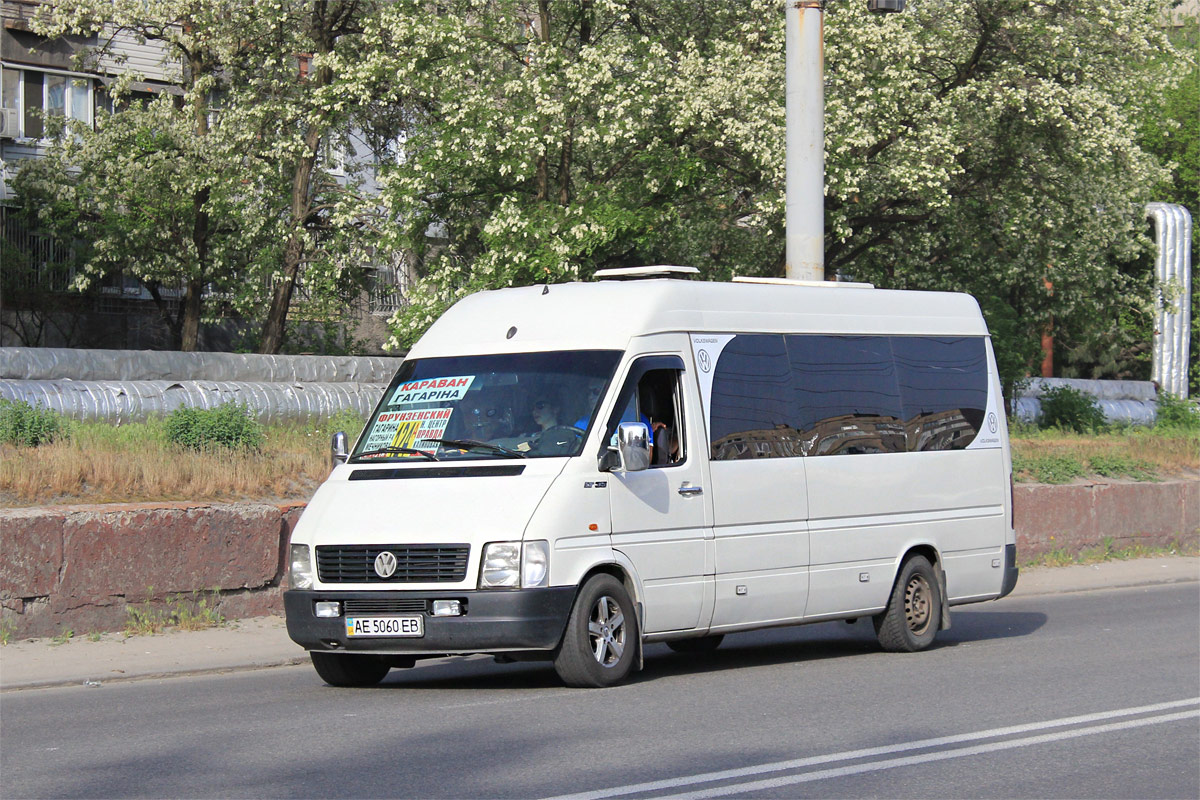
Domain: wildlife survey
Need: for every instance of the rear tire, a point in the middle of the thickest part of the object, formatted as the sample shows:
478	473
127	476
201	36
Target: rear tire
338	669
914	612
703	644
600	644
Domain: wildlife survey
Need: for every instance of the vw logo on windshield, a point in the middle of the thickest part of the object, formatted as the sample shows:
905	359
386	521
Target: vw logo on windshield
385	564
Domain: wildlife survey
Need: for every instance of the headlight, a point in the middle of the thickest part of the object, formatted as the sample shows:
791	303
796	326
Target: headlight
300	576
507	565
501	565
535	564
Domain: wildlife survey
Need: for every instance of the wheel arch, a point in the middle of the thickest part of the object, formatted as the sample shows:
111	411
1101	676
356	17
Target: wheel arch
621	568
934	557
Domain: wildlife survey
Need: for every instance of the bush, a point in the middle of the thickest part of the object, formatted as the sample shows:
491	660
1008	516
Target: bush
1070	409
1176	413
229	426
26	426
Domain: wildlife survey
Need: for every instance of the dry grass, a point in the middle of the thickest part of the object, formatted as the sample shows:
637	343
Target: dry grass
1166	454
135	463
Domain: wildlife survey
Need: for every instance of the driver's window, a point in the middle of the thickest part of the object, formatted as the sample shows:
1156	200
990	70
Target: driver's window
657	404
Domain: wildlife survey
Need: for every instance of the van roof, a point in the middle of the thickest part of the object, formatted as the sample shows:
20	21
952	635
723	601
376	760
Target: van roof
605	315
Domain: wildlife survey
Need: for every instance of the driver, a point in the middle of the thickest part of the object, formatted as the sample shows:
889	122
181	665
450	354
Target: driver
545	413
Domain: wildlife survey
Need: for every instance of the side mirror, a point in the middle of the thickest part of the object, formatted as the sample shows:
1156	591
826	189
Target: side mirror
632	447
338	450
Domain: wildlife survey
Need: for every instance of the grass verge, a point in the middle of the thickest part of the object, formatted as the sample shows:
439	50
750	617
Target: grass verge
1107	551
1140	454
103	463
137	462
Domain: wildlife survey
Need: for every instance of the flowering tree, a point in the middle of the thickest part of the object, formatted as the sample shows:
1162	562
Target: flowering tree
148	190
234	195
979	145
545	141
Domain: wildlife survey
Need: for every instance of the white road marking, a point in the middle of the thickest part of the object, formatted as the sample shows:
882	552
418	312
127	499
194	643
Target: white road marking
1007	744
779	766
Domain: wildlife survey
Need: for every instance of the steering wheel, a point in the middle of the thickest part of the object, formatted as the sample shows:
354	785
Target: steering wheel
559	440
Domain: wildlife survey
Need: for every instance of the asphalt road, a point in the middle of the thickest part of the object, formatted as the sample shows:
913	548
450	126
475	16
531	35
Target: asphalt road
1094	694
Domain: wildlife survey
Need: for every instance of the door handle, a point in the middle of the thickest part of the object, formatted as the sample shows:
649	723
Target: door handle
686	490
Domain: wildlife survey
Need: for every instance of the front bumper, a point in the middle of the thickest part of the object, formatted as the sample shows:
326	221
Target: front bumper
496	621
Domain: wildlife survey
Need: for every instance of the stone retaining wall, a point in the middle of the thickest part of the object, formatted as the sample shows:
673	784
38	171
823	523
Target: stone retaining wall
82	568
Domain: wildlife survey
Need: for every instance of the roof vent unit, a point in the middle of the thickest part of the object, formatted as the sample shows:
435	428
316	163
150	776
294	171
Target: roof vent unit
819	284
641	273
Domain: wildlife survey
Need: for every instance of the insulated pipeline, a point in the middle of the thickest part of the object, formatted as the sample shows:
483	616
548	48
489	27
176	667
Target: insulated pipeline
134	401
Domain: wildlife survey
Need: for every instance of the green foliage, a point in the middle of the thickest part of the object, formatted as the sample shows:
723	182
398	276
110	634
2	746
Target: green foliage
24	425
227	187
1069	409
1177	414
1108	551
1117	465
1015	343
187	612
229	426
347	420
615	140
1051	468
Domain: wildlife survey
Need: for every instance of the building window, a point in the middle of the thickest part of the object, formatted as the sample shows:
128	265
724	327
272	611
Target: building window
33	93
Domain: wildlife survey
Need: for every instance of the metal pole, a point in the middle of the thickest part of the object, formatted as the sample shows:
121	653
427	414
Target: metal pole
805	193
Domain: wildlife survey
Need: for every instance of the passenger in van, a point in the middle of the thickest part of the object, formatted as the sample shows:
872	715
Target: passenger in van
485	421
591	397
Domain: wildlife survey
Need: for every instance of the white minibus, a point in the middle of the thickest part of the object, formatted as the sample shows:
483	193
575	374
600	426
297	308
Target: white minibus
571	471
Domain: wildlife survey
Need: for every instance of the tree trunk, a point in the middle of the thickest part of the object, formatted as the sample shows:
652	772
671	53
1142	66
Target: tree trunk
189	328
324	26
189	312
281	297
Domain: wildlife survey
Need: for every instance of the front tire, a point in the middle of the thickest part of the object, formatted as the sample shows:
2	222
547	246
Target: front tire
348	669
914	612
601	640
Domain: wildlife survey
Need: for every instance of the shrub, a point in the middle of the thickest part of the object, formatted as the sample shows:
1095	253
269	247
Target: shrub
1070	409
228	426
26	426
1177	413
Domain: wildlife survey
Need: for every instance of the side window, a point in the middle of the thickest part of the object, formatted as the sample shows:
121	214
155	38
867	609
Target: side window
752	414
944	388
657	402
847	395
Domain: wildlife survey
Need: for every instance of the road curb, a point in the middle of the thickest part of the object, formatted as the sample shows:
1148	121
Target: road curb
263	643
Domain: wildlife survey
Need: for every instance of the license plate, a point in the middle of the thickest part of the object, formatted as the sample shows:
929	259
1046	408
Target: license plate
385	626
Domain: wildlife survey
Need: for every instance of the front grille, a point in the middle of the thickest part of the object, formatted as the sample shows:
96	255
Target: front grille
354	607
415	563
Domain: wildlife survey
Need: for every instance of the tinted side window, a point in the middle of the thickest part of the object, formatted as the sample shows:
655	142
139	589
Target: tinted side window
944	387
847	397
752	414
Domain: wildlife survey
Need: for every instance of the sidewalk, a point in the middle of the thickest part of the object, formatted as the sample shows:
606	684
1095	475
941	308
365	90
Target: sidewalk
263	641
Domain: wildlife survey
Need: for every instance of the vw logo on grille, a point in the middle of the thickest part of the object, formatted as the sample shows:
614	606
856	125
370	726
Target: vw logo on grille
385	564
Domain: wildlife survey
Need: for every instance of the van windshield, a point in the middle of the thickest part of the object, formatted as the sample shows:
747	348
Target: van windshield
516	405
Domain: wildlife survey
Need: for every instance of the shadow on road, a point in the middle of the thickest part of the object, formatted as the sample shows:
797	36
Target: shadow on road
788	645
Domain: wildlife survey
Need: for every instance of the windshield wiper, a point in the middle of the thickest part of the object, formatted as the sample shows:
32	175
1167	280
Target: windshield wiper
404	451
472	444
